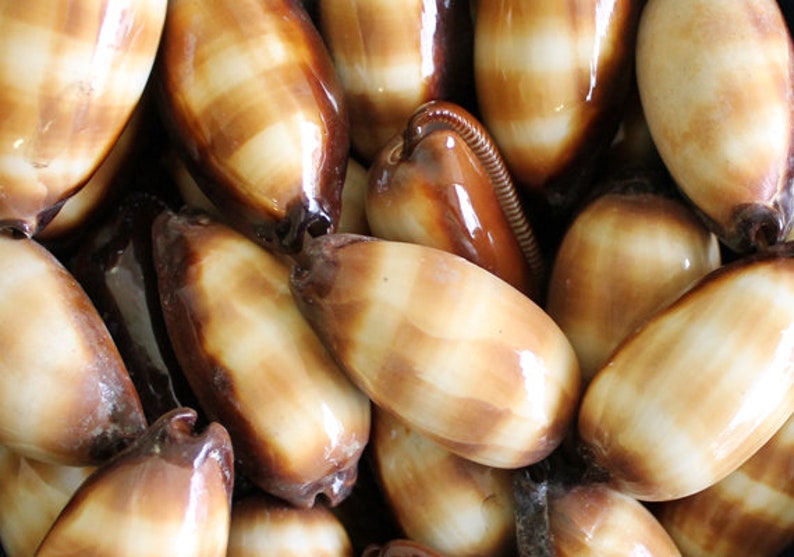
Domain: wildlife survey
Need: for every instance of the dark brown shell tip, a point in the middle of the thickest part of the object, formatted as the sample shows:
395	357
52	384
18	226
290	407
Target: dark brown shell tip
289	234
757	228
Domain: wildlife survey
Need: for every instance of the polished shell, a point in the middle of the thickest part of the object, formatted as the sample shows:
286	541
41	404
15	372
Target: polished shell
551	79
252	95
625	255
298	424
716	81
750	512
65	394
452	350
392	57
441	500
168	494
71	74
699	388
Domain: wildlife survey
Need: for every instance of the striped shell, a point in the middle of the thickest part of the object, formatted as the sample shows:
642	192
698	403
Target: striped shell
169	493
392	57
551	79
252	95
447	347
716	81
699	388
750	512
71	74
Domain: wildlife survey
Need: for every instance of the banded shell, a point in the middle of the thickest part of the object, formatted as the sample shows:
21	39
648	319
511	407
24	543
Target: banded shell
252	95
750	512
65	394
298	424
264	526
551	79
169	493
599	521
441	500
392	57
444	345
71	74
442	183
701	386
716	82
626	254
33	494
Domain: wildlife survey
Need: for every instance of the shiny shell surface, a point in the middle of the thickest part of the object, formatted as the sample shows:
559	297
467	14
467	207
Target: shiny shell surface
701	386
446	346
299	425
65	394
716	82
71	74
252	95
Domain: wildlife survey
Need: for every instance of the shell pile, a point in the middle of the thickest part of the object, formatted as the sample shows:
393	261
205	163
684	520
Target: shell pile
361	278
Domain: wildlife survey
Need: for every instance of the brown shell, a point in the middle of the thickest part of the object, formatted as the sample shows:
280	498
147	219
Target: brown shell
252	95
169	493
298	424
701	386
716	82
452	350
71	74
551	80
65	394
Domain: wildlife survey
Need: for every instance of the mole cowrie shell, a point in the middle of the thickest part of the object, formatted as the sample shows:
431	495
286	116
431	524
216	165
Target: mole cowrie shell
168	493
71	74
251	95
701	386
716	81
33	494
66	396
442	344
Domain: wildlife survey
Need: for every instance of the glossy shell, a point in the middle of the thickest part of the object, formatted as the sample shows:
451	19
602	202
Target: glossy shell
168	494
625	255
298	424
750	512
551	79
442	183
441	500
33	494
65	394
598	521
264	526
716	82
252	95
71	74
392	57
701	386
450	349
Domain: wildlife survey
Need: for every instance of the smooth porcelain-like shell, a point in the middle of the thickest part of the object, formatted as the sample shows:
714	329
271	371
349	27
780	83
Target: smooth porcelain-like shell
71	74
65	394
701	386
551	80
452	350
169	493
33	494
625	255
750	512
716	81
298	424
598	521
441	500
428	186
392	57
251	92
264	526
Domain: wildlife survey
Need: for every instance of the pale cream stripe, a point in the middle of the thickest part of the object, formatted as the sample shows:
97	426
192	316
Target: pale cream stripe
757	498
384	76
